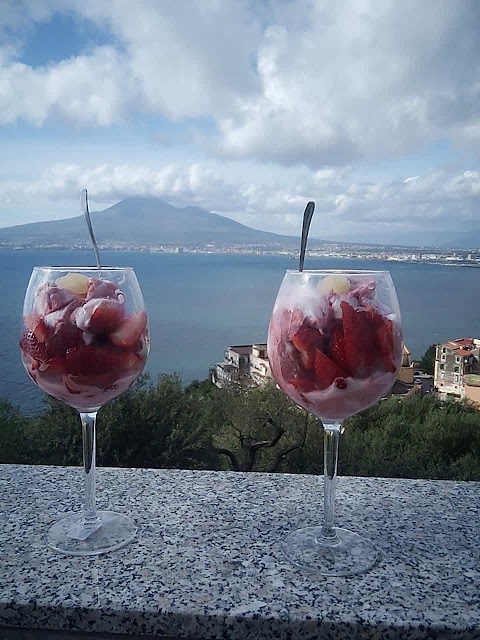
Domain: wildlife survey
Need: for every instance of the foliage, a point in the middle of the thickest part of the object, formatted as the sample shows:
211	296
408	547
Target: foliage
427	363
13	428
164	424
259	429
418	438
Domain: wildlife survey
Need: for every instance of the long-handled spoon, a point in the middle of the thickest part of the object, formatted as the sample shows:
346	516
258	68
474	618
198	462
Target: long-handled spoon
307	218
86	213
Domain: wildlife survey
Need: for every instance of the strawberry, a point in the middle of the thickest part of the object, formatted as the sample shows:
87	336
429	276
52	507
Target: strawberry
326	371
30	344
303	385
102	289
35	323
105	316
294	320
98	360
361	351
65	337
341	383
58	298
307	360
129	330
384	337
306	338
336	347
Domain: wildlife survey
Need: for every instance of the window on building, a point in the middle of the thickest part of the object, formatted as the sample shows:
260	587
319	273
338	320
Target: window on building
442	367
458	359
443	350
456	369
455	377
443	358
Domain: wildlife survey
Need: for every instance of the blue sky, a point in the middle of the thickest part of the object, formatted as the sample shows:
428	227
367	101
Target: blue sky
247	109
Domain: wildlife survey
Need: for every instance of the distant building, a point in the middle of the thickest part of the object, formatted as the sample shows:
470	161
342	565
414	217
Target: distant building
453	361
471	388
407	385
245	364
405	390
406	370
425	380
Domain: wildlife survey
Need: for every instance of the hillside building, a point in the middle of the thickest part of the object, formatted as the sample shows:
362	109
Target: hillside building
454	360
245	364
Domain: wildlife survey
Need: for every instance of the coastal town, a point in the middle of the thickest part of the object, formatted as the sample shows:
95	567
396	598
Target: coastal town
317	249
456	370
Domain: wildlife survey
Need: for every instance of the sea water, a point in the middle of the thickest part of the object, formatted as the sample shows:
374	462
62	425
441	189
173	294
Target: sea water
199	304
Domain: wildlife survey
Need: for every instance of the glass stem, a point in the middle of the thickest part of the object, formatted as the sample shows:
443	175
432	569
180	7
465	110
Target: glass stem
90	518
330	458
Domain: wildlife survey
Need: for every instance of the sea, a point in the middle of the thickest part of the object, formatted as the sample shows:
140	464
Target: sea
199	304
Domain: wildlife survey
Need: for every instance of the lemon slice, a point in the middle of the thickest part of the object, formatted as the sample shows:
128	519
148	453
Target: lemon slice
336	283
76	283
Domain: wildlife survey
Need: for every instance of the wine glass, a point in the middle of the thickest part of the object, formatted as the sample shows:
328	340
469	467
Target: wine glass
84	341
335	348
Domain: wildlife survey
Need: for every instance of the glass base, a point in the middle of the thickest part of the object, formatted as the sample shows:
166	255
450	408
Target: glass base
111	531
345	555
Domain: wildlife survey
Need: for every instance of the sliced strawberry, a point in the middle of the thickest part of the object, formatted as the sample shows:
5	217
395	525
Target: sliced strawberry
53	367
336	347
66	336
98	360
326	371
106	315
35	323
288	360
306	338
307	359
386	344
361	351
304	385
98	288
294	320
130	330
51	298
32	346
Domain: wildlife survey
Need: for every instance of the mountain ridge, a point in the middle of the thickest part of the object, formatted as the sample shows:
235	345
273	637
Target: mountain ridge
145	221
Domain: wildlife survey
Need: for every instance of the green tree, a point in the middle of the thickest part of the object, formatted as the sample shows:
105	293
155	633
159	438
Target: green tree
416	438
13	435
259	429
427	363
163	424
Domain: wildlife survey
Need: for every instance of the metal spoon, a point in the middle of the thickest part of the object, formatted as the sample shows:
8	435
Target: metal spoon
307	218
86	213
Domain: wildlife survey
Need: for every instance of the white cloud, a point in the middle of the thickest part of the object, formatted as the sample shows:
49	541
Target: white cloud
362	79
373	211
321	83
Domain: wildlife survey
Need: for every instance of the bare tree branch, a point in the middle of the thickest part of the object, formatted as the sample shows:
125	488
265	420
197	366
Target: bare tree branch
298	445
231	456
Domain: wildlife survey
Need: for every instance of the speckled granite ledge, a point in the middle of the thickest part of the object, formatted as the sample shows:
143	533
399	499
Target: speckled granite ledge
207	565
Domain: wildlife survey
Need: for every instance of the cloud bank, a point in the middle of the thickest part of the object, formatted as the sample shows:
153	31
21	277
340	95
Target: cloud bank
345	209
319	83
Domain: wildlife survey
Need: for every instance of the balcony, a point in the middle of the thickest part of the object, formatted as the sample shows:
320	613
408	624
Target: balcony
207	565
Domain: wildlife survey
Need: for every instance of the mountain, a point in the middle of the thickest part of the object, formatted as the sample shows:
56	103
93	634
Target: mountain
143	221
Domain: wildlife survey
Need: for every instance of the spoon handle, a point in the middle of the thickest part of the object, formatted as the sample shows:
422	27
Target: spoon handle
86	213
307	218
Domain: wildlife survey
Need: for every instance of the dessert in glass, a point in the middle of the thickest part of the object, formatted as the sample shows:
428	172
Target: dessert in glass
335	348
84	341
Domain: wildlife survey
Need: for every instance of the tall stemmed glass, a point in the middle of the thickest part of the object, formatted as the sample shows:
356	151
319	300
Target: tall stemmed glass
335	348
84	341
